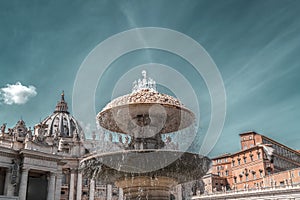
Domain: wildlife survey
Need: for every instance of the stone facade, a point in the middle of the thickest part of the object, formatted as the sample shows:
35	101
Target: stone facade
262	164
44	163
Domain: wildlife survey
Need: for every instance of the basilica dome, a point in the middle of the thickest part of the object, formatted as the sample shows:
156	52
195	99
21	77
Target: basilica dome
60	123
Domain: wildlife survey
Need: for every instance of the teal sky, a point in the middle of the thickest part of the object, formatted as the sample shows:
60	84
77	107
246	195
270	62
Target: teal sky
255	45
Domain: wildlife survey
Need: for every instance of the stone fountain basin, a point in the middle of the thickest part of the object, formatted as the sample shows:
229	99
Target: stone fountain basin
164	118
110	167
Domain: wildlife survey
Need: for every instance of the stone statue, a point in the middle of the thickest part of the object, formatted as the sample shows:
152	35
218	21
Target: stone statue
134	86
15	171
140	83
144	74
15	135
40	136
40	131
28	136
144	83
10	131
3	127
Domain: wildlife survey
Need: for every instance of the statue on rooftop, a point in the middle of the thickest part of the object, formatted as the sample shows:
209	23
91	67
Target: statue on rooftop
29	135
3	127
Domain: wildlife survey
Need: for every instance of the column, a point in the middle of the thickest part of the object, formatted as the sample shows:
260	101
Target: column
58	185
51	186
71	189
23	184
179	192
79	186
8	187
109	192
120	194
92	190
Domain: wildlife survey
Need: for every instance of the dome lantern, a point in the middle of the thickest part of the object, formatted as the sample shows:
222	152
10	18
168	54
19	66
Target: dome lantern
61	106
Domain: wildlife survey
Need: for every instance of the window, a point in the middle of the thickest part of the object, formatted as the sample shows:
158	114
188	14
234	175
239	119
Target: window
241	178
218	173
258	155
245	159
64	179
234	162
246	177
261	173
226	173
254	176
281	183
250	137
251	157
299	173
239	161
234	179
85	181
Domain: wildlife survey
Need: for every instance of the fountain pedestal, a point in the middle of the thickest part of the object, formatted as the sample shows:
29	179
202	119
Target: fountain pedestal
145	187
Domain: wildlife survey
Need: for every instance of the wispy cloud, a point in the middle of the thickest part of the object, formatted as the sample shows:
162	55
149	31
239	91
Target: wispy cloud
17	93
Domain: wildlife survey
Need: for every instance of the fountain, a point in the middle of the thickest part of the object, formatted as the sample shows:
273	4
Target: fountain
144	168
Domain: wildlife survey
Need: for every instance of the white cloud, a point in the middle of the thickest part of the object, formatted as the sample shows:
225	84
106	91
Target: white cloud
17	93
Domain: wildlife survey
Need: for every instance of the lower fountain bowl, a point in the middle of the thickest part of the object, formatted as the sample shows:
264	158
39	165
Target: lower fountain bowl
110	167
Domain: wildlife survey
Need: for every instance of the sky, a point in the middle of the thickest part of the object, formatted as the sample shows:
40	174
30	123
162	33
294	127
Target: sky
254	44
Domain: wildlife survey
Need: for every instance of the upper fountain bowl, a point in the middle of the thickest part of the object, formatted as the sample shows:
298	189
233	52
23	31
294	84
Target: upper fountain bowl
145	108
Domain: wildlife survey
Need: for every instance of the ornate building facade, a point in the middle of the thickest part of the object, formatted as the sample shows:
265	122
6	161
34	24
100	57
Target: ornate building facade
261	166
44	163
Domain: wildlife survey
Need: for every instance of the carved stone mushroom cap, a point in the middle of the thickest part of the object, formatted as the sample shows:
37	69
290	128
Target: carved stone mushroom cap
162	111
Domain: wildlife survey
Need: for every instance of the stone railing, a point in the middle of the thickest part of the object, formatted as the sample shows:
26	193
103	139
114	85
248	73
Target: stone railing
251	192
6	143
